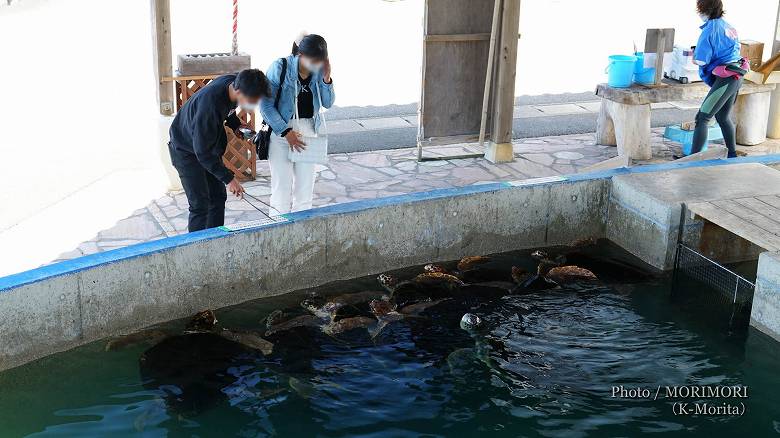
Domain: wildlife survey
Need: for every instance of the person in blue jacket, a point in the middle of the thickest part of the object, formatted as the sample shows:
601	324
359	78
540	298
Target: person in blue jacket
718	46
307	83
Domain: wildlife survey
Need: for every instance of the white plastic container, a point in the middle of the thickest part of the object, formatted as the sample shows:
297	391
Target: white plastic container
681	68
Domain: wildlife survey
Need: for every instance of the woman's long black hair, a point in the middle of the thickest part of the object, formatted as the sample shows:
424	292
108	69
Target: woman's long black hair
312	45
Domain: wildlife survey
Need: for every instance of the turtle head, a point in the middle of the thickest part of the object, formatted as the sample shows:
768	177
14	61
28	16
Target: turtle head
434	268
470	321
389	282
313	303
381	307
203	321
540	254
274	318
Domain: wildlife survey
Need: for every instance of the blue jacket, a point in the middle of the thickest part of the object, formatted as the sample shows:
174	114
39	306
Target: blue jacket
278	119
718	45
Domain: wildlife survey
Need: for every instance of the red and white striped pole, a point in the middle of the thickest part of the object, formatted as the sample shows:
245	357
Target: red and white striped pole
235	27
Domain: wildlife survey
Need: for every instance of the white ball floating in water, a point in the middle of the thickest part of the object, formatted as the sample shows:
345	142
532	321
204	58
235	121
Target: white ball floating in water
470	321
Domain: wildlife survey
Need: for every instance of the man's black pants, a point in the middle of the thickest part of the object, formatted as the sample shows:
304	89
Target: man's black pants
205	193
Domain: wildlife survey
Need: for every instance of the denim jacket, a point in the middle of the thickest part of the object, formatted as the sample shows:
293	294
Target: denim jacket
279	118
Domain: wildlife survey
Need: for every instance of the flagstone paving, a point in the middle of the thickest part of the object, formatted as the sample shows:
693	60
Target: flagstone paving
367	175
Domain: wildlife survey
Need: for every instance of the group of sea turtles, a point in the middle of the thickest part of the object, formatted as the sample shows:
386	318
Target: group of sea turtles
455	291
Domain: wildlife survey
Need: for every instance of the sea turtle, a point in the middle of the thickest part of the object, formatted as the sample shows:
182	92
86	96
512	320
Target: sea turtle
488	284
343	306
537	281
606	261
475	269
402	292
569	274
459	359
438	284
557	271
346	312
387	310
202	322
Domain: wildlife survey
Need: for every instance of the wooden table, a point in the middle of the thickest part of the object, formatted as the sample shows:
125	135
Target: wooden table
624	119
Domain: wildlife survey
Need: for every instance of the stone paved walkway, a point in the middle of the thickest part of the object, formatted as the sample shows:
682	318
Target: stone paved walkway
367	175
409	120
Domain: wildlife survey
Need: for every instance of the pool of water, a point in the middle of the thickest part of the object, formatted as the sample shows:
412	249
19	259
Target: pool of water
542	364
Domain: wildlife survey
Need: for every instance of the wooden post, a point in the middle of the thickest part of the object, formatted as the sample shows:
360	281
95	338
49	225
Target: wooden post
773	127
163	57
499	150
659	58
489	75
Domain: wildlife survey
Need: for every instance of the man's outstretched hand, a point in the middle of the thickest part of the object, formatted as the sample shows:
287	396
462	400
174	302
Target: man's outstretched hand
236	188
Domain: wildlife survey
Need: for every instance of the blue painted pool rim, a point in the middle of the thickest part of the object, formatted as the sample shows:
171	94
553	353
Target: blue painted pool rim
86	262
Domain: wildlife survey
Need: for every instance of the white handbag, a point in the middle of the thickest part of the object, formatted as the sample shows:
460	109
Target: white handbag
316	147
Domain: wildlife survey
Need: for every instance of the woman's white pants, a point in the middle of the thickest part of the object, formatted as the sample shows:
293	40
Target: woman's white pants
292	184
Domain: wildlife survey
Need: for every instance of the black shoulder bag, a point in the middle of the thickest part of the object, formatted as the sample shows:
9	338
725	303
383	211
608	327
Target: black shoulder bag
263	138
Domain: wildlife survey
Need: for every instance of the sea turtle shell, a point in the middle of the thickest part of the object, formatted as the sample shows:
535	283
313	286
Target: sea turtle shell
438	285
571	274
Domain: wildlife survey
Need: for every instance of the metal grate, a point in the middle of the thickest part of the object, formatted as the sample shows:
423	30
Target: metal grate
734	288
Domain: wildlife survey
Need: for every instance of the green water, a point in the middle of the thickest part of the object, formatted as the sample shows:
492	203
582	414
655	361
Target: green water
544	365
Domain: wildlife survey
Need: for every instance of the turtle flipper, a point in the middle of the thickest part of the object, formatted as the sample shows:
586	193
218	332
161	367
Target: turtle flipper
122	342
539	282
304	389
249	339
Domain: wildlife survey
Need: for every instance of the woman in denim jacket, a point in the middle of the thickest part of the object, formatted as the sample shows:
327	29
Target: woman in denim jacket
308	74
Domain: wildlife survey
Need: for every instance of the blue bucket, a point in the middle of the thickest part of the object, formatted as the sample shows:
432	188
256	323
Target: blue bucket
621	70
642	75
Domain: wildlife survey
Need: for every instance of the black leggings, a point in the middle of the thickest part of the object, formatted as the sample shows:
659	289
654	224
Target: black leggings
718	104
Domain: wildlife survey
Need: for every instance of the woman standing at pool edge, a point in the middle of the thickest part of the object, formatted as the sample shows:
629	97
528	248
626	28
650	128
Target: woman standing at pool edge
307	82
718	46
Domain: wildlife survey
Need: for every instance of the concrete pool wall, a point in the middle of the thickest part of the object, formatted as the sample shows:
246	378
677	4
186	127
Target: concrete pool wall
67	304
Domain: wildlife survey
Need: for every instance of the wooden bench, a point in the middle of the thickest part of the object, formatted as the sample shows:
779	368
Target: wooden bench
624	119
